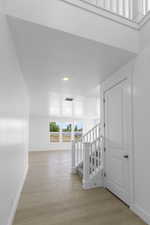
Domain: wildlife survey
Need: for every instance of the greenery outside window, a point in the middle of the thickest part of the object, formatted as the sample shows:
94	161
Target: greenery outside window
78	131
54	129
65	131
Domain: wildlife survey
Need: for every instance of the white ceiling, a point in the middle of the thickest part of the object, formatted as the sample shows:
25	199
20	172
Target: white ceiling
47	55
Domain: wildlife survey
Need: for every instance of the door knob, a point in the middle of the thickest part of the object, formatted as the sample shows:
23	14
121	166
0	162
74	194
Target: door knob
126	156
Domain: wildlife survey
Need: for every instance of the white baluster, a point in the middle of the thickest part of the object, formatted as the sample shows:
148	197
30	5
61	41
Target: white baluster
99	3
96	133
95	154
76	153
89	137
80	151
93	134
111	5
131	10
117	6
146	6
104	5
73	158
86	164
91	155
99	153
142	7
114	5
123	8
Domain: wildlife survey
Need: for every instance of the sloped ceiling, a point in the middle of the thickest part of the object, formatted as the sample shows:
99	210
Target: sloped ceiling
46	55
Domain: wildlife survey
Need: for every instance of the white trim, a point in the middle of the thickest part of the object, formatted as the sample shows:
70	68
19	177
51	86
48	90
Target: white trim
16	201
125	73
141	213
94	181
145	20
48	149
74	170
91	184
103	13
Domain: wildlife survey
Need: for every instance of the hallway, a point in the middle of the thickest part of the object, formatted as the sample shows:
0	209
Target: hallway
52	196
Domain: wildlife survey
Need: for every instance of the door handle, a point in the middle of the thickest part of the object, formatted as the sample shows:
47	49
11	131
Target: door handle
126	156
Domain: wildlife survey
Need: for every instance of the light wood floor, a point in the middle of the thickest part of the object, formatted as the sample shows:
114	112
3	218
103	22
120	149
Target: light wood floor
52	196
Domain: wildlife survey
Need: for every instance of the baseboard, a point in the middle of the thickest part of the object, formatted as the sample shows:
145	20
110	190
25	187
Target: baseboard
141	213
39	150
90	185
16	201
48	150
74	170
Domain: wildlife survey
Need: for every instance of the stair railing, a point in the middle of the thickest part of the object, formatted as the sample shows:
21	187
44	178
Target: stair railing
88	151
77	154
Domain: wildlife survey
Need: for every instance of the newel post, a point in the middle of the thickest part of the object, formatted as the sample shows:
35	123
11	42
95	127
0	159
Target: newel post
86	164
73	158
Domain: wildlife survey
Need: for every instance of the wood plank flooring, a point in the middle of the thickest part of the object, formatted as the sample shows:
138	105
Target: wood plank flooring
52	196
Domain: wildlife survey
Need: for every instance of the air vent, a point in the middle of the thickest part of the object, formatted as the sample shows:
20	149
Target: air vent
69	99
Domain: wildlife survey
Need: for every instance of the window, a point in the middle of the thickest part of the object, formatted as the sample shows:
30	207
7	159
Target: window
65	131
54	129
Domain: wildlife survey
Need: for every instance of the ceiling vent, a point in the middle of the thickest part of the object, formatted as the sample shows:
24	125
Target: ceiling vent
69	99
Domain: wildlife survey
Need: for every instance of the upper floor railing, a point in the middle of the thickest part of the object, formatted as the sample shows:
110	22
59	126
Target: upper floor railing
133	10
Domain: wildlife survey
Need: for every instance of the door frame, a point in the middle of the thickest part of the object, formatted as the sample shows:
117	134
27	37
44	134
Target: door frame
125	74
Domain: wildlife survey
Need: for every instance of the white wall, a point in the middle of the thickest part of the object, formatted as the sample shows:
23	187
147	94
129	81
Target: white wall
59	15
140	69
144	35
13	126
1	4
141	82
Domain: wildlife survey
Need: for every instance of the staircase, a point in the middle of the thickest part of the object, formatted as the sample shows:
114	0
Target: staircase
87	158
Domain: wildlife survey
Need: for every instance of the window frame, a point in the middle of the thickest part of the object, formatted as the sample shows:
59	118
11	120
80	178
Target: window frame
72	133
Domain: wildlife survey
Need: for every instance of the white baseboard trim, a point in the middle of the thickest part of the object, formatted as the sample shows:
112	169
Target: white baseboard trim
90	185
74	170
16	201
141	213
48	150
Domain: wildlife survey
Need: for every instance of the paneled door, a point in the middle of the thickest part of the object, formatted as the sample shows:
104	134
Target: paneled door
117	131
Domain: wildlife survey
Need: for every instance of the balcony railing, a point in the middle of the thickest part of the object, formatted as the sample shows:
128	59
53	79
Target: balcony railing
133	10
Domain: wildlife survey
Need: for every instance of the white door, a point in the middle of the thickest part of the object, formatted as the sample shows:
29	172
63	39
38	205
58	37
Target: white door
117	151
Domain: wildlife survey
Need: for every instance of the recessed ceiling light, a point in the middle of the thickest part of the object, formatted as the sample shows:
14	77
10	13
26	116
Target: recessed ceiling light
65	78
